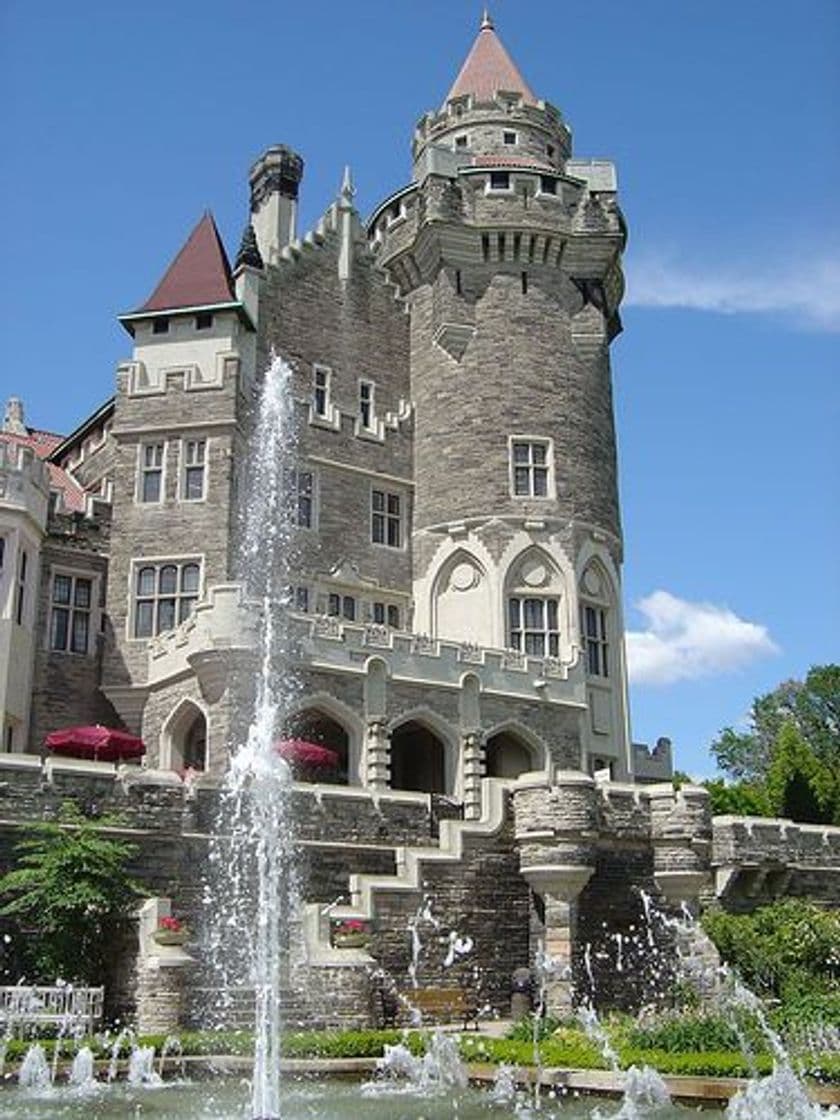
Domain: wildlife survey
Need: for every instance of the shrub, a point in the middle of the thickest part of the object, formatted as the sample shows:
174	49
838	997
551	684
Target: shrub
72	891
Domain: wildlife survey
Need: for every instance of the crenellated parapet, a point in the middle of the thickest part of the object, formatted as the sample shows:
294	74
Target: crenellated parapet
758	858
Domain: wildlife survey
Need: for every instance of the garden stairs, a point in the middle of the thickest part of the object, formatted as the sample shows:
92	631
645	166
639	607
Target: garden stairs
410	864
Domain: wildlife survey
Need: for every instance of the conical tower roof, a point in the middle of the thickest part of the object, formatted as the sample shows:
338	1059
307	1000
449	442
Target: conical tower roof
488	68
199	276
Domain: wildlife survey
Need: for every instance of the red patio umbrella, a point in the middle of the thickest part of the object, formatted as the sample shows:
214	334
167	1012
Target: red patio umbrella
302	752
101	744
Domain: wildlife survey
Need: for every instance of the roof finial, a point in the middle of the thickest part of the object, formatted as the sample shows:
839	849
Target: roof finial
347	188
486	21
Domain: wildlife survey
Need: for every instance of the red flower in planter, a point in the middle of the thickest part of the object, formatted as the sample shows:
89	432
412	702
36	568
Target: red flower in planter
174	925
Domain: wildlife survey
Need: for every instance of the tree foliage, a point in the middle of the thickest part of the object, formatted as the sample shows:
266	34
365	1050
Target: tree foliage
70	894
788	763
782	950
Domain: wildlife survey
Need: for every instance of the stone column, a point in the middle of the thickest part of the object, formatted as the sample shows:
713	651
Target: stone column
556	831
472	752
377	755
559	888
161	974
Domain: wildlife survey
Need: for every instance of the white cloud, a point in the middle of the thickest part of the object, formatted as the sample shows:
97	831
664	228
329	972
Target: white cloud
807	291
683	641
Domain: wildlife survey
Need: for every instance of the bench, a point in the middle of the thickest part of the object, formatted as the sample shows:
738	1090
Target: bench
442	1005
62	1006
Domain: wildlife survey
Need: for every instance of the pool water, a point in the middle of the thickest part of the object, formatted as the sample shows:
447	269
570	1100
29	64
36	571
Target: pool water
228	1099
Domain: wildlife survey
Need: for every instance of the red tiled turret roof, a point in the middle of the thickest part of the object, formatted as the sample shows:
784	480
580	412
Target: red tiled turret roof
489	68
198	277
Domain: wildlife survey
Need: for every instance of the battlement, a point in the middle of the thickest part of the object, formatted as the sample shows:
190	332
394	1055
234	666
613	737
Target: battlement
503	215
653	764
24	481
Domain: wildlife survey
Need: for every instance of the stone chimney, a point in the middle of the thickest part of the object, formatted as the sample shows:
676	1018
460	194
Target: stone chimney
275	180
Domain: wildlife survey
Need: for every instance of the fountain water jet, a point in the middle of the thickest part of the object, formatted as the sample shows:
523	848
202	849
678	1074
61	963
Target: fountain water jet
258	842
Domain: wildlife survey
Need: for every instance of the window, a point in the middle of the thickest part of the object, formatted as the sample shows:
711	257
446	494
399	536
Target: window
499	181
534	627
343	605
151	472
195	459
20	594
2	551
530	466
164	595
204	321
321	391
160	326
509	137
549	151
366	389
594	628
72	601
548	184
300	599
386	614
386	519
300	490
9	740
462	141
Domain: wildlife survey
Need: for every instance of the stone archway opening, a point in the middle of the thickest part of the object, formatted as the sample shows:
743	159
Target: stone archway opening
314	726
187	735
418	759
507	755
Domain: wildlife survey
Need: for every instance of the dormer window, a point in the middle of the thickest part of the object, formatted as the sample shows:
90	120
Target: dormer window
160	326
509	138
204	321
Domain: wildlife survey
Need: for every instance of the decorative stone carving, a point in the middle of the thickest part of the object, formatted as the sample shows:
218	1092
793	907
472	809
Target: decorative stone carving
377	754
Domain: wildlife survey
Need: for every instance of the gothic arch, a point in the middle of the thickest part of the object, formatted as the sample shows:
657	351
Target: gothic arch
512	749
184	737
462	599
536	604
308	707
424	753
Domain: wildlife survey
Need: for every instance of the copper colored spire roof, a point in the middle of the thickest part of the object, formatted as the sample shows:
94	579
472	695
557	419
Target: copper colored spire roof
488	68
199	276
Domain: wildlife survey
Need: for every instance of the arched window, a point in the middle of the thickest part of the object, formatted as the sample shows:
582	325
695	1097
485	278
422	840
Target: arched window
594	620
534	592
418	759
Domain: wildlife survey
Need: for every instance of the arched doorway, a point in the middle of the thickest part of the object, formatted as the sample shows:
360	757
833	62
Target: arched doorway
314	726
418	759
507	755
185	739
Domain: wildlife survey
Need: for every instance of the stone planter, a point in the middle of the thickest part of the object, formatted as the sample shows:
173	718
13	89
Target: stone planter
170	936
351	939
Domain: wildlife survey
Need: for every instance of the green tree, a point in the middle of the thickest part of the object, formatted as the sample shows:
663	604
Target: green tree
71	895
812	706
788	763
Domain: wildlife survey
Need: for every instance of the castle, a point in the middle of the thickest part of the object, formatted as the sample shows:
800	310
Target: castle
455	599
457	504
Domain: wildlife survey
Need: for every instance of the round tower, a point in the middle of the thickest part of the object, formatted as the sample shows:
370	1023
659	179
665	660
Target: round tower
508	253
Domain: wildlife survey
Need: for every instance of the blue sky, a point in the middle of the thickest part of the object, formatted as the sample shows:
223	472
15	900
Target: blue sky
123	122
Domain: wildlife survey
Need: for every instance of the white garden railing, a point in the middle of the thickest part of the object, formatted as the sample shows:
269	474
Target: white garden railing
64	1006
